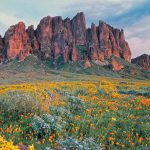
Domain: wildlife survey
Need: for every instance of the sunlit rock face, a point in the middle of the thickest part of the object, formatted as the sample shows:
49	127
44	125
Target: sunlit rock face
59	40
17	41
44	36
106	40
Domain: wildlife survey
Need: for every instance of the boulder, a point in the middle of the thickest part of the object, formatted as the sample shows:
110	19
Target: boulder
116	66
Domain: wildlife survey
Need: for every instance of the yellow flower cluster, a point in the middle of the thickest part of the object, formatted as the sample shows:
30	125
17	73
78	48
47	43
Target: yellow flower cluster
7	145
107	86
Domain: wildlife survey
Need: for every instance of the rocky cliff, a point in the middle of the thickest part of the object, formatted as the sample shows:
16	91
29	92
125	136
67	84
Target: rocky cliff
68	40
142	61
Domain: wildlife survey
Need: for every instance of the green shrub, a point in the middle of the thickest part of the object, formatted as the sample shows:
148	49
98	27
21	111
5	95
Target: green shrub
15	103
75	144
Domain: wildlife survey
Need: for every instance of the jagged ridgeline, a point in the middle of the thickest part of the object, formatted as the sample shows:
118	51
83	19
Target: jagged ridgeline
62	41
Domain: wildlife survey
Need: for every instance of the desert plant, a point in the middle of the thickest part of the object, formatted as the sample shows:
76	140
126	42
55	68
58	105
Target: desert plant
75	144
16	103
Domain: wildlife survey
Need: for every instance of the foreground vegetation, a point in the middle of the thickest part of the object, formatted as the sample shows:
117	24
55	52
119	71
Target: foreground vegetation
93	114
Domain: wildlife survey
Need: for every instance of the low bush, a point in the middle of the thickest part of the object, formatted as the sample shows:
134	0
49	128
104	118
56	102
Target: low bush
16	103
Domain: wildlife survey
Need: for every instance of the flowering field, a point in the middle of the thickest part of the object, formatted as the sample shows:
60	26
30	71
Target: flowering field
94	115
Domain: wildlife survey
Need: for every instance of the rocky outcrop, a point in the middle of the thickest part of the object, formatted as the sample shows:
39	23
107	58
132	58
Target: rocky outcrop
32	37
57	37
17	42
87	64
116	66
62	40
143	61
78	25
44	36
105	41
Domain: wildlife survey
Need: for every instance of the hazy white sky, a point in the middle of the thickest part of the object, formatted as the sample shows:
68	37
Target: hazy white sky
131	15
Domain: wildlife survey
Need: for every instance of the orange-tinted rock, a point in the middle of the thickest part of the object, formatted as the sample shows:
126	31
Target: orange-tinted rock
108	40
93	53
58	40
114	47
17	40
56	50
142	61
124	48
87	64
74	54
101	56
66	54
116	66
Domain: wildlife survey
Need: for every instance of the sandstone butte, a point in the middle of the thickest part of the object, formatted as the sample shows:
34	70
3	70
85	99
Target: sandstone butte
58	40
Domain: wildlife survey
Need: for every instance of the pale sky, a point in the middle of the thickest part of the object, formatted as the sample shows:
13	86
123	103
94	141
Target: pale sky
131	15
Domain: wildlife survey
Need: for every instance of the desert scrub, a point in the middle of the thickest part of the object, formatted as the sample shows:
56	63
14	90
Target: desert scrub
15	104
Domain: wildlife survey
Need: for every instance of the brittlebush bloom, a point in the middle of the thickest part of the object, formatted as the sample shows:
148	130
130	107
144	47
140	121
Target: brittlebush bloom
78	118
77	129
113	118
92	125
7	145
39	142
31	147
99	111
43	140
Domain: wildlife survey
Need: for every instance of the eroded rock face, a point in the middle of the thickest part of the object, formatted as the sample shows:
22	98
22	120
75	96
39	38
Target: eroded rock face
124	47
17	42
142	61
78	25
74	54
57	37
32	37
44	36
58	40
107	41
